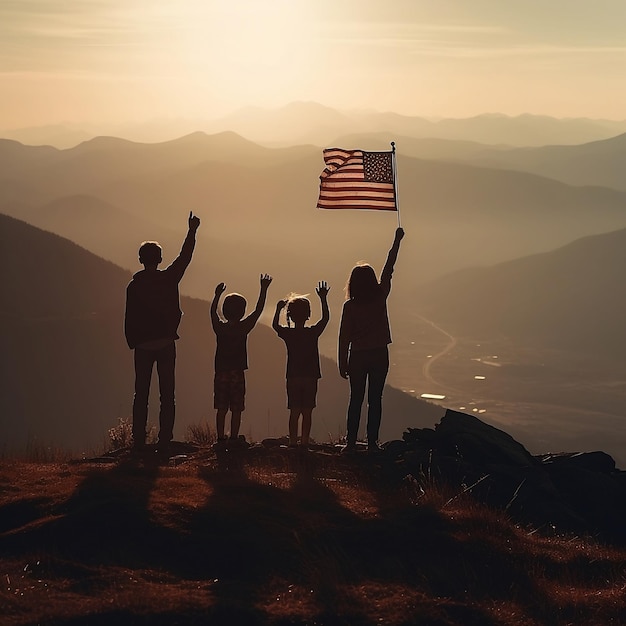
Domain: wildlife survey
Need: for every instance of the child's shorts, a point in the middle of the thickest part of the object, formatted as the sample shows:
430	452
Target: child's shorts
229	390
301	392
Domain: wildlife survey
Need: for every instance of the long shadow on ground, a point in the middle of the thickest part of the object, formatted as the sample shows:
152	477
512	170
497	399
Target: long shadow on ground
248	533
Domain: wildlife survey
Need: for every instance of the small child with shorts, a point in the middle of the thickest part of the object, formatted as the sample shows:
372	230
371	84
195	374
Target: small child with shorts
231	354
303	359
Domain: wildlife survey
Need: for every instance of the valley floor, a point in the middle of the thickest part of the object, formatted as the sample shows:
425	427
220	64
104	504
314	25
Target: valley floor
548	400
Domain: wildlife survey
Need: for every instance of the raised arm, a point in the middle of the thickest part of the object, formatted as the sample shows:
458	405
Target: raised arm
215	318
392	256
322	290
280	305
180	263
265	281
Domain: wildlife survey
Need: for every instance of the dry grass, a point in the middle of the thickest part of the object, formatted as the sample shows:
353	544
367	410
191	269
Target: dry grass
280	539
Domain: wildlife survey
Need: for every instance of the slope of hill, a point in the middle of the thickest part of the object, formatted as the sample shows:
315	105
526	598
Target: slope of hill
275	541
596	163
66	373
572	298
106	160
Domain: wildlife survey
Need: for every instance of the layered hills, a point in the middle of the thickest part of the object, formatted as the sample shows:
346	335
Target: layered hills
262	201
571	298
310	122
594	163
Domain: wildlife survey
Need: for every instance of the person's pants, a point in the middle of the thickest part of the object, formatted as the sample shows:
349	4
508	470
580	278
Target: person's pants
165	360
366	368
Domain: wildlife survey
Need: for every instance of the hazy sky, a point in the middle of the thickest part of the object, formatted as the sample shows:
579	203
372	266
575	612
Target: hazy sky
131	60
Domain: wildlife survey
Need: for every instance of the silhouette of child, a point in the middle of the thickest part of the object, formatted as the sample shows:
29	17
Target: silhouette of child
303	359
364	335
231	354
151	326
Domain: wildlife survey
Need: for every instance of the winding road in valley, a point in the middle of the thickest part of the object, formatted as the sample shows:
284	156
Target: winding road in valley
426	368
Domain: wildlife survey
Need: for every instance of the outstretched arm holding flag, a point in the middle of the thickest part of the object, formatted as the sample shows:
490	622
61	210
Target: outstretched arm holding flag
364	336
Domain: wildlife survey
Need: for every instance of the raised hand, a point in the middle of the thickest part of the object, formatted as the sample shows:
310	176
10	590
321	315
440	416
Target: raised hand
220	289
266	279
194	221
322	289
399	233
281	304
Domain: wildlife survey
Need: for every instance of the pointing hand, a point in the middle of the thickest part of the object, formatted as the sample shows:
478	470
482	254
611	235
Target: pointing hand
194	221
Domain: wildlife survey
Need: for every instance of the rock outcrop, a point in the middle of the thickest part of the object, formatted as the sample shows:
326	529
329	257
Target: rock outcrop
570	492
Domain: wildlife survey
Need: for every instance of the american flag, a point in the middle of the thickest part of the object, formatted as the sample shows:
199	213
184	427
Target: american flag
355	179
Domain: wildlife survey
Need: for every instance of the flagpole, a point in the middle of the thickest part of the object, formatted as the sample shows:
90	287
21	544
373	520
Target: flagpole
395	179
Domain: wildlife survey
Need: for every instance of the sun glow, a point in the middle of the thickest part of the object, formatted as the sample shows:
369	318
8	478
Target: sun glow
253	51
124	60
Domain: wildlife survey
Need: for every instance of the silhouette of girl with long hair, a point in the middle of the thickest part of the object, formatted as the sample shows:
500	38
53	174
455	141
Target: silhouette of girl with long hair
364	336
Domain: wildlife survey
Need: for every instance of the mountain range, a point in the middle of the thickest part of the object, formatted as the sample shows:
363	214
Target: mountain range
256	197
311	122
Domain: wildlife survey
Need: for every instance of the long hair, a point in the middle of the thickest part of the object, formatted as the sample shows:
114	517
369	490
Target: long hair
362	284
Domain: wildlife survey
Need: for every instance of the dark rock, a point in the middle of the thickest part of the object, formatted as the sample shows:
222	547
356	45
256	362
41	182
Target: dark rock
275	442
423	436
394	448
481	443
592	461
573	492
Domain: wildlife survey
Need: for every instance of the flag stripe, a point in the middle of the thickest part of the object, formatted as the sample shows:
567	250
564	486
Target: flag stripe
356	183
365	195
352	204
355	179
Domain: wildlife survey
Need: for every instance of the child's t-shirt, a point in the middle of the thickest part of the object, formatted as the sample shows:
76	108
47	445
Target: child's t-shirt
232	345
303	358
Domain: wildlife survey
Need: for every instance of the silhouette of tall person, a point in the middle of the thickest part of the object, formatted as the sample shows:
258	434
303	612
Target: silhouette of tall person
151	326
364	336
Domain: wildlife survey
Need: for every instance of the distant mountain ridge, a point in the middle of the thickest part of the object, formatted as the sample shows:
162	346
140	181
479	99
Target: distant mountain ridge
311	122
595	163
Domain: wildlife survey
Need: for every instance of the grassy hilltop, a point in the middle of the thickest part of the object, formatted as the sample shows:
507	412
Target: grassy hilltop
272	536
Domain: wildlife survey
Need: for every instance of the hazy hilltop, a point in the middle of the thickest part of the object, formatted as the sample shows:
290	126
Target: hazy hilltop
67	374
594	163
310	122
572	298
